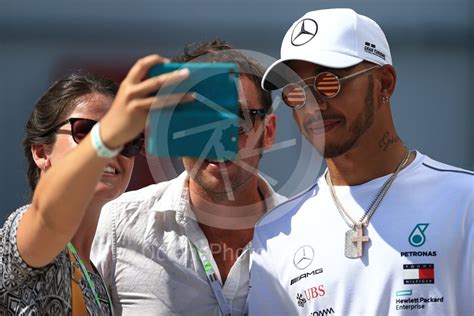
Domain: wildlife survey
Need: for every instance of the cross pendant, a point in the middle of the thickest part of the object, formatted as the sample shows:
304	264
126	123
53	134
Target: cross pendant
359	238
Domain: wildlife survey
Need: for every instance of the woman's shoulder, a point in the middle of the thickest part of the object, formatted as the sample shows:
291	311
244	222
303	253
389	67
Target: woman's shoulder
25	287
8	229
14	217
11	259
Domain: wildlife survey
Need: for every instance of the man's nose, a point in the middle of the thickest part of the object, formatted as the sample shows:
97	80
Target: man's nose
315	102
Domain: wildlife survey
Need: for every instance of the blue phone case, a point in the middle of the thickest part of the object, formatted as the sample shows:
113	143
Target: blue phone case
205	128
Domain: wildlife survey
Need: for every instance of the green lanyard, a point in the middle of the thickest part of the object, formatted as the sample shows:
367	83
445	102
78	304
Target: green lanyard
216	286
85	273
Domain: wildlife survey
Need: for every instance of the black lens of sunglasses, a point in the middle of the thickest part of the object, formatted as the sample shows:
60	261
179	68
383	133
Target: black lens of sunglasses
133	148
82	127
247	119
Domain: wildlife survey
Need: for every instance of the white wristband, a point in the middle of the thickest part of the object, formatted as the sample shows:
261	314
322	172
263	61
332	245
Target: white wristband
100	148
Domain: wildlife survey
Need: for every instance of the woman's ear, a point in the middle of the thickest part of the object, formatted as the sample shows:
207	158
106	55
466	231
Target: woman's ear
40	154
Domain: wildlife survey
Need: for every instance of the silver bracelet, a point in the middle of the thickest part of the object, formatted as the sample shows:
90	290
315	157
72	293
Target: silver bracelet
99	146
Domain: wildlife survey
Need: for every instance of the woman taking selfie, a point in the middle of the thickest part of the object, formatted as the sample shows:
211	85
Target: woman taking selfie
75	167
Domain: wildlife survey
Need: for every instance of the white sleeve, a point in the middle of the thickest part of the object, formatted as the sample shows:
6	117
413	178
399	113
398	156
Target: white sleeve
267	296
103	247
466	279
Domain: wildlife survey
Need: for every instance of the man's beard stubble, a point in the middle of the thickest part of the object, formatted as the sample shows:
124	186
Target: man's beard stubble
220	192
362	123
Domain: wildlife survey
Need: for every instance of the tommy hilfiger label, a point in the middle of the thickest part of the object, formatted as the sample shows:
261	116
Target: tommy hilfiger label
372	49
418	273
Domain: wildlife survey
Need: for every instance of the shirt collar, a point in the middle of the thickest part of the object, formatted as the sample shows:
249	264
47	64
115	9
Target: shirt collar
272	198
176	197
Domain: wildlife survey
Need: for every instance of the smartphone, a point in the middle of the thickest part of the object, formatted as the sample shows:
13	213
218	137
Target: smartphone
206	128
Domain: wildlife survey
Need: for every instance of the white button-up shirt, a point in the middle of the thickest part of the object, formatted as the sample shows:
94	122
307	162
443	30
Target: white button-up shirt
145	250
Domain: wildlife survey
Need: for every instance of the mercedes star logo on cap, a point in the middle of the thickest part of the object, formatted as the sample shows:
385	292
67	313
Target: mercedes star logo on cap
303	32
303	257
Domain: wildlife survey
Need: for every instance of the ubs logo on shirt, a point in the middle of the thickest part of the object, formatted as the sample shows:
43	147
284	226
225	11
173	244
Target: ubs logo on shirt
310	294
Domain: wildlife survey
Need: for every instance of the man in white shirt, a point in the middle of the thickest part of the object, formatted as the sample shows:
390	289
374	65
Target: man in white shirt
182	247
386	230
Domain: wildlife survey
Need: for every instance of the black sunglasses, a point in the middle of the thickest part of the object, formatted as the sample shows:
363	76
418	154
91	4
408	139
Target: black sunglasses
247	119
80	127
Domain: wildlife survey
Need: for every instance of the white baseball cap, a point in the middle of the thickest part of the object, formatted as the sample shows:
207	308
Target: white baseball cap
334	38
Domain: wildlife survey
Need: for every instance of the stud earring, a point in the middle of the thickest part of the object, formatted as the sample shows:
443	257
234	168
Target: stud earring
384	99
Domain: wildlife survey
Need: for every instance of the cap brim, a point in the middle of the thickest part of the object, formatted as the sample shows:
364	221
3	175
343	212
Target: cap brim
279	74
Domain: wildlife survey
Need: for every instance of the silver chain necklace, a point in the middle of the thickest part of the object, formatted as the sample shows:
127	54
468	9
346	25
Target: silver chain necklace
355	236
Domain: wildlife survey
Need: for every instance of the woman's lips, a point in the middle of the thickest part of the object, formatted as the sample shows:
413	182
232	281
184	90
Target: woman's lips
110	170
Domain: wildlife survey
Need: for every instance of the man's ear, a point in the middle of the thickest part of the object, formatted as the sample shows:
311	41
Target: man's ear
388	80
40	154
270	130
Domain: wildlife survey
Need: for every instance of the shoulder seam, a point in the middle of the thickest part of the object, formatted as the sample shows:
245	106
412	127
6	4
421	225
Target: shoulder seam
113	236
448	170
289	200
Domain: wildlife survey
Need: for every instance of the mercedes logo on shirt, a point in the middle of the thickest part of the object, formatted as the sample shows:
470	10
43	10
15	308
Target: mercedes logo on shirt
303	32
303	257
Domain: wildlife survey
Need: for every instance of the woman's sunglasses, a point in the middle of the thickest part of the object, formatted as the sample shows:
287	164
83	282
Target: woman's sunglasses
326	84
80	127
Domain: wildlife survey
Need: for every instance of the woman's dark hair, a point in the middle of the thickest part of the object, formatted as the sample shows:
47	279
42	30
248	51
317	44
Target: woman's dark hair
53	107
219	51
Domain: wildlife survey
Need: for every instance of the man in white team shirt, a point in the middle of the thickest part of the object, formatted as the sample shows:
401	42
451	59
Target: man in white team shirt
181	247
386	230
